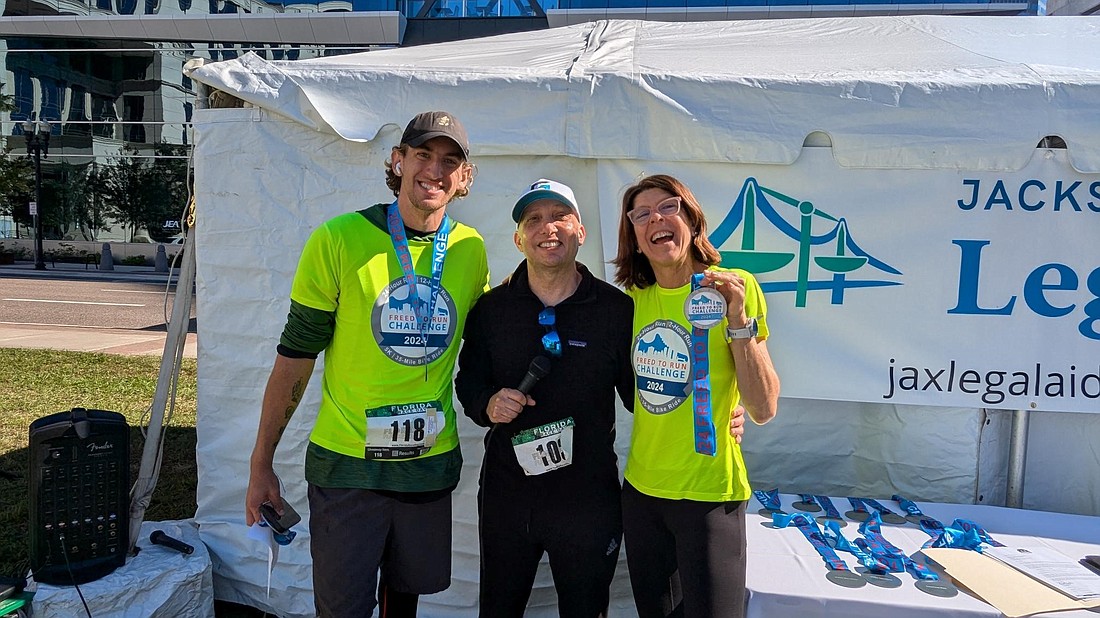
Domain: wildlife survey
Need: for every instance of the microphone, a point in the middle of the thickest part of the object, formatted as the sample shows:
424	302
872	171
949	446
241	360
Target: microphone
540	366
159	538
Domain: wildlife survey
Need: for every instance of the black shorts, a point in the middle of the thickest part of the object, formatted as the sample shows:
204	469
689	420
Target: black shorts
355	533
686	558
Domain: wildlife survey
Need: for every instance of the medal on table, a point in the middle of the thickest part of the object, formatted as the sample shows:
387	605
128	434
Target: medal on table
831	514
937	588
806	503
882	580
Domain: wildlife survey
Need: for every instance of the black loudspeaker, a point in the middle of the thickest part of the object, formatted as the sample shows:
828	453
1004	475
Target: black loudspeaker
79	495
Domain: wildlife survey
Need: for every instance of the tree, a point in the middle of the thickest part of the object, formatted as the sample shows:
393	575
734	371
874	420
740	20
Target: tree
16	187
126	195
167	185
16	177
145	193
65	192
94	216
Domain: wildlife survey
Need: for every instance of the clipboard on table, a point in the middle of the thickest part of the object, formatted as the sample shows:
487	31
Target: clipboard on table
1012	592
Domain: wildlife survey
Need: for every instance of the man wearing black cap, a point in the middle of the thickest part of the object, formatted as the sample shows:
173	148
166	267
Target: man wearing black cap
549	481
372	292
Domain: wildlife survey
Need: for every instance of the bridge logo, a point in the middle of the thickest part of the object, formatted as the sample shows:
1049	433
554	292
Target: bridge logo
840	265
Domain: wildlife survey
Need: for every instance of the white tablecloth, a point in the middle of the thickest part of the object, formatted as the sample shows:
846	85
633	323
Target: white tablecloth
157	583
786	576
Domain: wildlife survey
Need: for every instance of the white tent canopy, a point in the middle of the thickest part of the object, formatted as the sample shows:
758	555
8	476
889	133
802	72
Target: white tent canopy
743	91
887	124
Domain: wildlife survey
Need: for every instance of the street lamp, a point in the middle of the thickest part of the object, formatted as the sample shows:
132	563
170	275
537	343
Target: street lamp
38	143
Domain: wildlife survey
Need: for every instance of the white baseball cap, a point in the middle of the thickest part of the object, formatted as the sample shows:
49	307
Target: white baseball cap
543	189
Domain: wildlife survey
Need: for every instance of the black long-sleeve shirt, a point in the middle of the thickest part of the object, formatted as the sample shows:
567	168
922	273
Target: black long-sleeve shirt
503	335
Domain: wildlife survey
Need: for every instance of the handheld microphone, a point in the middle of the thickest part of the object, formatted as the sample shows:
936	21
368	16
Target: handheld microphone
540	366
160	538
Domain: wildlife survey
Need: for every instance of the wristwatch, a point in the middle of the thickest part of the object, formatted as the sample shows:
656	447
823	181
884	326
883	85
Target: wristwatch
748	332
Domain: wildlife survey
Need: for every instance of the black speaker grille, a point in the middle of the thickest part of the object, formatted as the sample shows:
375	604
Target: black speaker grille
79	495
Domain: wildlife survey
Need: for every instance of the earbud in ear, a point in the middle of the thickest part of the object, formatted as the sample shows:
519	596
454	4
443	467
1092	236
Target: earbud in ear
397	168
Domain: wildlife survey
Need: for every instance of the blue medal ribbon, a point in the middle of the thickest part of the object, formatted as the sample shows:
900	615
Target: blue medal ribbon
807	498
969	526
857	505
919	570
957	538
875	504
867	559
964	534
909	506
826	504
891	562
703	427
888	552
404	258
769	499
931	527
808	527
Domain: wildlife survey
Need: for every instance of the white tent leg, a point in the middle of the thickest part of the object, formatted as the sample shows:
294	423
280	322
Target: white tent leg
169	366
1017	458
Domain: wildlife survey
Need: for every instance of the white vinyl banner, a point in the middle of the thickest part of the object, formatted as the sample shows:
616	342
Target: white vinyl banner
929	287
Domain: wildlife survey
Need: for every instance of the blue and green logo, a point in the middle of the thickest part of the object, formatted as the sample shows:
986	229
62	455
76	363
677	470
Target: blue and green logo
840	268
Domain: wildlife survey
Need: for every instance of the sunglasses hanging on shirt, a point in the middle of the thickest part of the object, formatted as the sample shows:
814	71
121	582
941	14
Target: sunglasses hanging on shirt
551	342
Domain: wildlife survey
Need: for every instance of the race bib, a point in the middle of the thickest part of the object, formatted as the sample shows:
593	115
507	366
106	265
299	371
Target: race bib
542	449
403	430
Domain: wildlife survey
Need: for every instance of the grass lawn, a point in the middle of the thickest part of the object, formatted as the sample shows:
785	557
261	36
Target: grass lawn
36	383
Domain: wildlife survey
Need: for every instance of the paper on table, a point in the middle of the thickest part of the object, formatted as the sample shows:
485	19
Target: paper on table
1002	586
1051	567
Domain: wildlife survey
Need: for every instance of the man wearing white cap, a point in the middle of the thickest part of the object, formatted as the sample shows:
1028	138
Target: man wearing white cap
549	481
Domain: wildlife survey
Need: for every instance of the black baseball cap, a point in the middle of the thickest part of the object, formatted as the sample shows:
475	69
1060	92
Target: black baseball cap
429	125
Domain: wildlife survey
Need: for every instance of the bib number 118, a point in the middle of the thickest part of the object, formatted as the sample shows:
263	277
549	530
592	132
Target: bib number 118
408	430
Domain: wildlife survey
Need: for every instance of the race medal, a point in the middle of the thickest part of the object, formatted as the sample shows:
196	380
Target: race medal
882	580
403	430
547	447
893	518
937	588
857	515
886	515
705	307
831	514
825	519
846	579
807	506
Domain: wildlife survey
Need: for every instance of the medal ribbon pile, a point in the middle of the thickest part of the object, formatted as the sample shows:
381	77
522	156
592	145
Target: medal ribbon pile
878	558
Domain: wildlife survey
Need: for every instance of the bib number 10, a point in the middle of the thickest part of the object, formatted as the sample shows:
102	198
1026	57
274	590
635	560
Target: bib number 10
542	449
550	452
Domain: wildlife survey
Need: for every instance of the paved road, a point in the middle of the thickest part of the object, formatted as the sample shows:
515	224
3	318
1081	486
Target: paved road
121	312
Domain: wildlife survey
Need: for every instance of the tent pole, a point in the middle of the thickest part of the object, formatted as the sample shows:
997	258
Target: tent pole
1017	458
169	369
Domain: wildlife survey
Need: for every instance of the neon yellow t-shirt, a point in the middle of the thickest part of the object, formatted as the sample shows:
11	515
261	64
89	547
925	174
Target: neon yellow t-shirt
662	460
377	354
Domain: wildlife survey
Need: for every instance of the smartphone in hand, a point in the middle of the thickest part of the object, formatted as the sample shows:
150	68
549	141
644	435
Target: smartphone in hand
280	525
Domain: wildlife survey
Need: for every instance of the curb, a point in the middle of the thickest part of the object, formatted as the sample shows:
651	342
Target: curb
143	274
